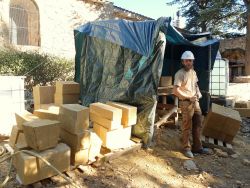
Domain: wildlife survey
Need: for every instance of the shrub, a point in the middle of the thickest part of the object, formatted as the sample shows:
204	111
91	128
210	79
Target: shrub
39	69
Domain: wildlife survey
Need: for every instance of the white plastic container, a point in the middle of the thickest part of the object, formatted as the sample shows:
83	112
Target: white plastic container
219	78
11	101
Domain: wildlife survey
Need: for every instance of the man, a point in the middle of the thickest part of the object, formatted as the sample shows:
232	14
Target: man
187	90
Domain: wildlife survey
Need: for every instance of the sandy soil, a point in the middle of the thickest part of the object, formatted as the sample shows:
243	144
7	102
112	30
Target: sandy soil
162	165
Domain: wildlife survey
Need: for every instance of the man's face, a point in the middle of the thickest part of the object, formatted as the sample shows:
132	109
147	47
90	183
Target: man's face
187	63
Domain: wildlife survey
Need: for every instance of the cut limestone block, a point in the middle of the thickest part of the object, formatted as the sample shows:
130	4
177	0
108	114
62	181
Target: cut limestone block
242	104
222	123
21	142
106	111
67	87
31	169
114	139
17	138
230	102
13	136
74	118
50	106
166	81
52	114
241	79
43	95
129	113
42	134
67	93
79	157
110	125
244	112
66	99
24	117
76	142
95	146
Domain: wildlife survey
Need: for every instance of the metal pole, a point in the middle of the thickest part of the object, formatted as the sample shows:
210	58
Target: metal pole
209	72
172	61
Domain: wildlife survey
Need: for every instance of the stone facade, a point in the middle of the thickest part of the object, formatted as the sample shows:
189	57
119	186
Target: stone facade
54	22
233	49
233	43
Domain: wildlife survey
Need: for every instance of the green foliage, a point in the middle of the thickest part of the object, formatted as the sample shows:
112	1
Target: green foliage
39	69
217	16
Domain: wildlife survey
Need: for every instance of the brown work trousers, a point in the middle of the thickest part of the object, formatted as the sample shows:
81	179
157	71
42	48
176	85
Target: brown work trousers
191	120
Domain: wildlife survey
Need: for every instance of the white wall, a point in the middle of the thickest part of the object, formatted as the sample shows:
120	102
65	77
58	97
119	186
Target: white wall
57	22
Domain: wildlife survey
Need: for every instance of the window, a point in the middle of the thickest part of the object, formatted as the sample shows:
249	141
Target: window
24	23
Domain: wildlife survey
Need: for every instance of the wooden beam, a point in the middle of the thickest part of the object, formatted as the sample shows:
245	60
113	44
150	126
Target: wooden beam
9	148
203	138
108	156
136	140
209	143
165	117
116	154
211	140
220	143
229	146
165	90
165	106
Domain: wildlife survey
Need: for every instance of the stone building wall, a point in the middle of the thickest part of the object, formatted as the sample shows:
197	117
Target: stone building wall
58	19
233	49
234	43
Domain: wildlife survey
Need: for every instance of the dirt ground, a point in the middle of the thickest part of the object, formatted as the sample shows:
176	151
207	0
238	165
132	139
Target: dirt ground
162	166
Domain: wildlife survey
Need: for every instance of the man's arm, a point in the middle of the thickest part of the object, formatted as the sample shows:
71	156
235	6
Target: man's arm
199	95
180	94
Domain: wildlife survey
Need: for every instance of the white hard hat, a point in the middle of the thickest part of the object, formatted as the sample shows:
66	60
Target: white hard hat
187	55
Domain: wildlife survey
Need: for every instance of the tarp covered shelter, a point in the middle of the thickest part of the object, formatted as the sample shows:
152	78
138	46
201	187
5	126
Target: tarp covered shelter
123	61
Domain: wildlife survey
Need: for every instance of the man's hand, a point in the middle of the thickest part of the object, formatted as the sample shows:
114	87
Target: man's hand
193	99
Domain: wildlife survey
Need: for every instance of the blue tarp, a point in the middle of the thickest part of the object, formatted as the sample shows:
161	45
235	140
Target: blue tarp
123	61
176	38
137	36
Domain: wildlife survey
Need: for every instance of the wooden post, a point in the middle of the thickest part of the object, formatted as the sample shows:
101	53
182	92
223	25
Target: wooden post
165	117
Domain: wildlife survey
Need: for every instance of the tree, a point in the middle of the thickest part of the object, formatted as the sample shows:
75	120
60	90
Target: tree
247	52
217	16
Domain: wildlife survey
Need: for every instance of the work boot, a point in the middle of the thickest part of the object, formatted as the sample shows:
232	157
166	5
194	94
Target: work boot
202	151
188	154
